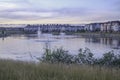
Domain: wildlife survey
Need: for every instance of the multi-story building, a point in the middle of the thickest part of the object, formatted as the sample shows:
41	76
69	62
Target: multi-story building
113	26
54	27
92	27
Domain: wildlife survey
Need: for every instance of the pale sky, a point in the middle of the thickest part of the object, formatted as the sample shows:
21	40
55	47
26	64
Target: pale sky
58	11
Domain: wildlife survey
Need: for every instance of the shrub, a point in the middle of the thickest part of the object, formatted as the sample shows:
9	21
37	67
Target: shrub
57	56
83	57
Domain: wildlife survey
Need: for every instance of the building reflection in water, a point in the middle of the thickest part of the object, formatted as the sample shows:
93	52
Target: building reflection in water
116	44
113	43
2	38
92	40
106	41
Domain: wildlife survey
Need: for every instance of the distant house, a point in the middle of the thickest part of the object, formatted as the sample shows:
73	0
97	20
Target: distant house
86	27
2	30
103	28
54	27
106	27
92	27
113	26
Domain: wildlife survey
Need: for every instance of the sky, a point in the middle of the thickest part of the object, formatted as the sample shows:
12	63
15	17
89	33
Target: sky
58	11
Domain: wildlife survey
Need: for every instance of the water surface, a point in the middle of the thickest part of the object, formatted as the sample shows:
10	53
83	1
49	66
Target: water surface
31	47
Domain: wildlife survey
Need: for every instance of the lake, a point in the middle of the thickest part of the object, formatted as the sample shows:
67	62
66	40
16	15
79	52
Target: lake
31	47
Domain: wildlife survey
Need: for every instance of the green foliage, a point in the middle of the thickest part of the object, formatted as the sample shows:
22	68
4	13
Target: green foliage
54	66
108	58
16	70
47	56
116	61
83	57
62	56
57	56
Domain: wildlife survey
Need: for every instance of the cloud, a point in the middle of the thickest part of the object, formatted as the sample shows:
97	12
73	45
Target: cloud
37	15
74	10
25	15
42	13
7	6
10	5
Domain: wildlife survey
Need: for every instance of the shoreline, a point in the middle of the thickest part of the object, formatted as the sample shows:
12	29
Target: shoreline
91	34
84	34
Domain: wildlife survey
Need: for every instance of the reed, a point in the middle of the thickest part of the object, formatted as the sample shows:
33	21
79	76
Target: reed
18	70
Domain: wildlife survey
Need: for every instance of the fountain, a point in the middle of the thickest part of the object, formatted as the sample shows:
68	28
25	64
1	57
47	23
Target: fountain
44	37
39	32
62	34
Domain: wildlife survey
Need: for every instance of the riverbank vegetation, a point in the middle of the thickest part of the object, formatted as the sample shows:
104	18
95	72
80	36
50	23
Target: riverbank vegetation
58	64
17	70
84	57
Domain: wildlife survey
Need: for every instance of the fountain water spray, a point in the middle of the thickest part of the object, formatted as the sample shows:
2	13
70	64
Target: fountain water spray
39	32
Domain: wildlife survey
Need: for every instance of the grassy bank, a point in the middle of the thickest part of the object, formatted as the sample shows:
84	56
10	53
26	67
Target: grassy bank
16	70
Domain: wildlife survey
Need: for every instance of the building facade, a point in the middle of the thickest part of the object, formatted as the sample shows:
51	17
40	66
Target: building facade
113	26
54	27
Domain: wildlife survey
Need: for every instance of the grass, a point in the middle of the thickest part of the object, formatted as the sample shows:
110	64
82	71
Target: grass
17	70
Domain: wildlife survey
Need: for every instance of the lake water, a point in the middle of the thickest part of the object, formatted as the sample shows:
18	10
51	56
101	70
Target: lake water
30	47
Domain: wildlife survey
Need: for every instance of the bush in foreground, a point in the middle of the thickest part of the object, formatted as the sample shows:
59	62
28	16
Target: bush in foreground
84	57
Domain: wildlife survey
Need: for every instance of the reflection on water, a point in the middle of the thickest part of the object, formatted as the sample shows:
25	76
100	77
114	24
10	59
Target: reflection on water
30	47
113	43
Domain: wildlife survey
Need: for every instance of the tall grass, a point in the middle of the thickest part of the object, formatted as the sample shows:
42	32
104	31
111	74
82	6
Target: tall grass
17	70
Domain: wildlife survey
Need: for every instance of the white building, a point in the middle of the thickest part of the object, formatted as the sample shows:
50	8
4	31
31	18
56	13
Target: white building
92	27
115	26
